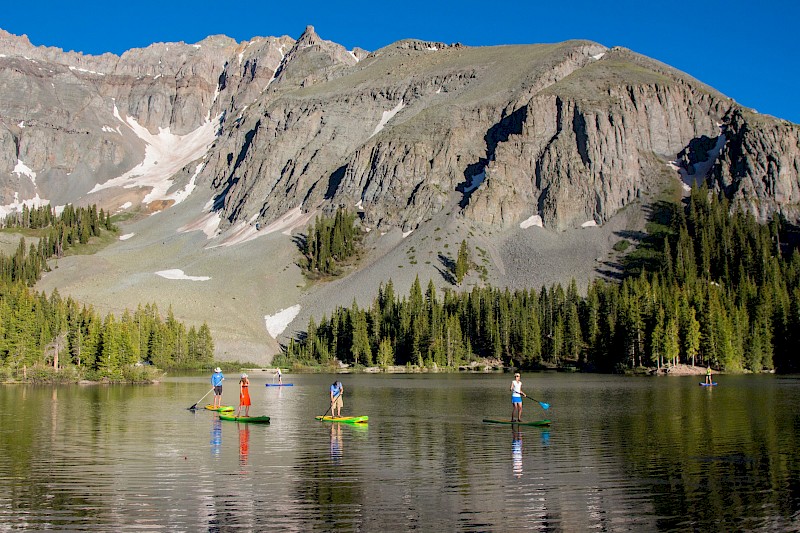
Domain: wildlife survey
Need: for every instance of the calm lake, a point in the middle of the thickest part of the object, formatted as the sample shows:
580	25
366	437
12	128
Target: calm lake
622	454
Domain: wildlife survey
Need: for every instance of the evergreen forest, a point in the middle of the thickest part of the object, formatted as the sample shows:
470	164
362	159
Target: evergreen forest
330	245
49	338
707	285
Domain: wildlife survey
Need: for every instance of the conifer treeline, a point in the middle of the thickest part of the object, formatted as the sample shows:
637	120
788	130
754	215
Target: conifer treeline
36	330
720	289
75	225
330	243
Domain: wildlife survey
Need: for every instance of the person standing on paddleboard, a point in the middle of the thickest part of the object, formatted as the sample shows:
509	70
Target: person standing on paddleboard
708	375
244	395
216	381
337	389
516	399
280	378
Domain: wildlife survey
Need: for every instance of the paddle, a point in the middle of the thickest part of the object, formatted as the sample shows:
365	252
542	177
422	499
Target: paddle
192	408
329	408
544	405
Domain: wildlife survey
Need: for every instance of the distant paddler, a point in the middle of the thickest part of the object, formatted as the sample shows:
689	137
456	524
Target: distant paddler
216	381
516	398
336	390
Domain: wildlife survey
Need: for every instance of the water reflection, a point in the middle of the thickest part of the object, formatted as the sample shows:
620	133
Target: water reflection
216	436
244	443
516	450
626	454
336	444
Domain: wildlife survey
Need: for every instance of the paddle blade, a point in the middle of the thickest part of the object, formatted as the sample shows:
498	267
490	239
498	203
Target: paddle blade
544	405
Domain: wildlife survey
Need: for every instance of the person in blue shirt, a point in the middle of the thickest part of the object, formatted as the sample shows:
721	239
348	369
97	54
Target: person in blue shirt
336	399
216	381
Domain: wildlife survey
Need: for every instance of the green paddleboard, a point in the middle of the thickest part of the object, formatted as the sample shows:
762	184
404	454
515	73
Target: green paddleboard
220	408
345	419
248	419
508	421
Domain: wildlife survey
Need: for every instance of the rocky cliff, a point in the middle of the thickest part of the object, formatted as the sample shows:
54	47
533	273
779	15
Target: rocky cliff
569	132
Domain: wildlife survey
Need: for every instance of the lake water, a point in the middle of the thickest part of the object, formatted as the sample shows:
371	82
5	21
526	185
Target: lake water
622	454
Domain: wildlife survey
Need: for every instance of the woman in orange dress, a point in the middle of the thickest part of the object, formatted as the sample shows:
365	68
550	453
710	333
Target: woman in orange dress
244	395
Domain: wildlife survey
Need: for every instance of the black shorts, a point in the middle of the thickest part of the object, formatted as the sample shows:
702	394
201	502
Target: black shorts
218	390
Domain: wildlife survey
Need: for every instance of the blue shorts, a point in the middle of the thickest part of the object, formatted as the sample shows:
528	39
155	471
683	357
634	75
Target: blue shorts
516	399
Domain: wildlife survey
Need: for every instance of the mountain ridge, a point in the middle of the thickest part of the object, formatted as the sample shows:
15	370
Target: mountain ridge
230	145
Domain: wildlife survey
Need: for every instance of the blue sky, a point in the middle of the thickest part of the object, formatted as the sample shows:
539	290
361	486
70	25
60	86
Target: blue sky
747	50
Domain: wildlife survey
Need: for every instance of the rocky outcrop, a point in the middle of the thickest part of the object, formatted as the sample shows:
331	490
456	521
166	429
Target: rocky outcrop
759	165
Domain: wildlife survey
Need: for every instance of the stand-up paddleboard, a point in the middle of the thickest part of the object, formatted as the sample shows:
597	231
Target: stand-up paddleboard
345	419
220	408
508	421
249	419
714	384
278	384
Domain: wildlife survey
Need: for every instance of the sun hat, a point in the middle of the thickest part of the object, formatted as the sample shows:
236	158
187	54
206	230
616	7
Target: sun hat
218	369
244	375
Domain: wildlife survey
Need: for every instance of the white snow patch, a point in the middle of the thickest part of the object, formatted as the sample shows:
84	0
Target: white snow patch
598	56
208	224
432	48
244	231
156	77
126	236
21	124
439	90
109	129
353	54
3	55
360	205
387	116
197	46
22	168
176	273
407	233
477	179
278	322
535	220
589	224
165	154
16	205
126	205
76	69
178	196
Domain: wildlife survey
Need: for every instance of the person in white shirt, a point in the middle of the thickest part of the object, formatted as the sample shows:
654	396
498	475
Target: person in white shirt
516	399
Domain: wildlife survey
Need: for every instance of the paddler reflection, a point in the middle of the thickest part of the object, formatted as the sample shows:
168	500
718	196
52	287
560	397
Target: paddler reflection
216	435
244	443
336	443
516	450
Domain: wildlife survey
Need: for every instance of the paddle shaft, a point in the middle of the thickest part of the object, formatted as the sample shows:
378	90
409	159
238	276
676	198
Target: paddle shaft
331	406
192	408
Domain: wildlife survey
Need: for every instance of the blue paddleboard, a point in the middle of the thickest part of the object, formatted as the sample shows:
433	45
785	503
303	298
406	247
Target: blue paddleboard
279	384
708	384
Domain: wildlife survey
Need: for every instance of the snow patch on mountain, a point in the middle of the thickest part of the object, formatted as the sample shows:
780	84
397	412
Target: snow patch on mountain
278	322
165	154
387	116
176	273
535	220
23	169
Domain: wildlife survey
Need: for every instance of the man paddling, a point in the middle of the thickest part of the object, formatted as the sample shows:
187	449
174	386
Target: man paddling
216	381
336	399
516	399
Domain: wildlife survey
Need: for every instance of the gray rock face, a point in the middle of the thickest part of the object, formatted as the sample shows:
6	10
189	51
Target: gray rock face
571	132
759	165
